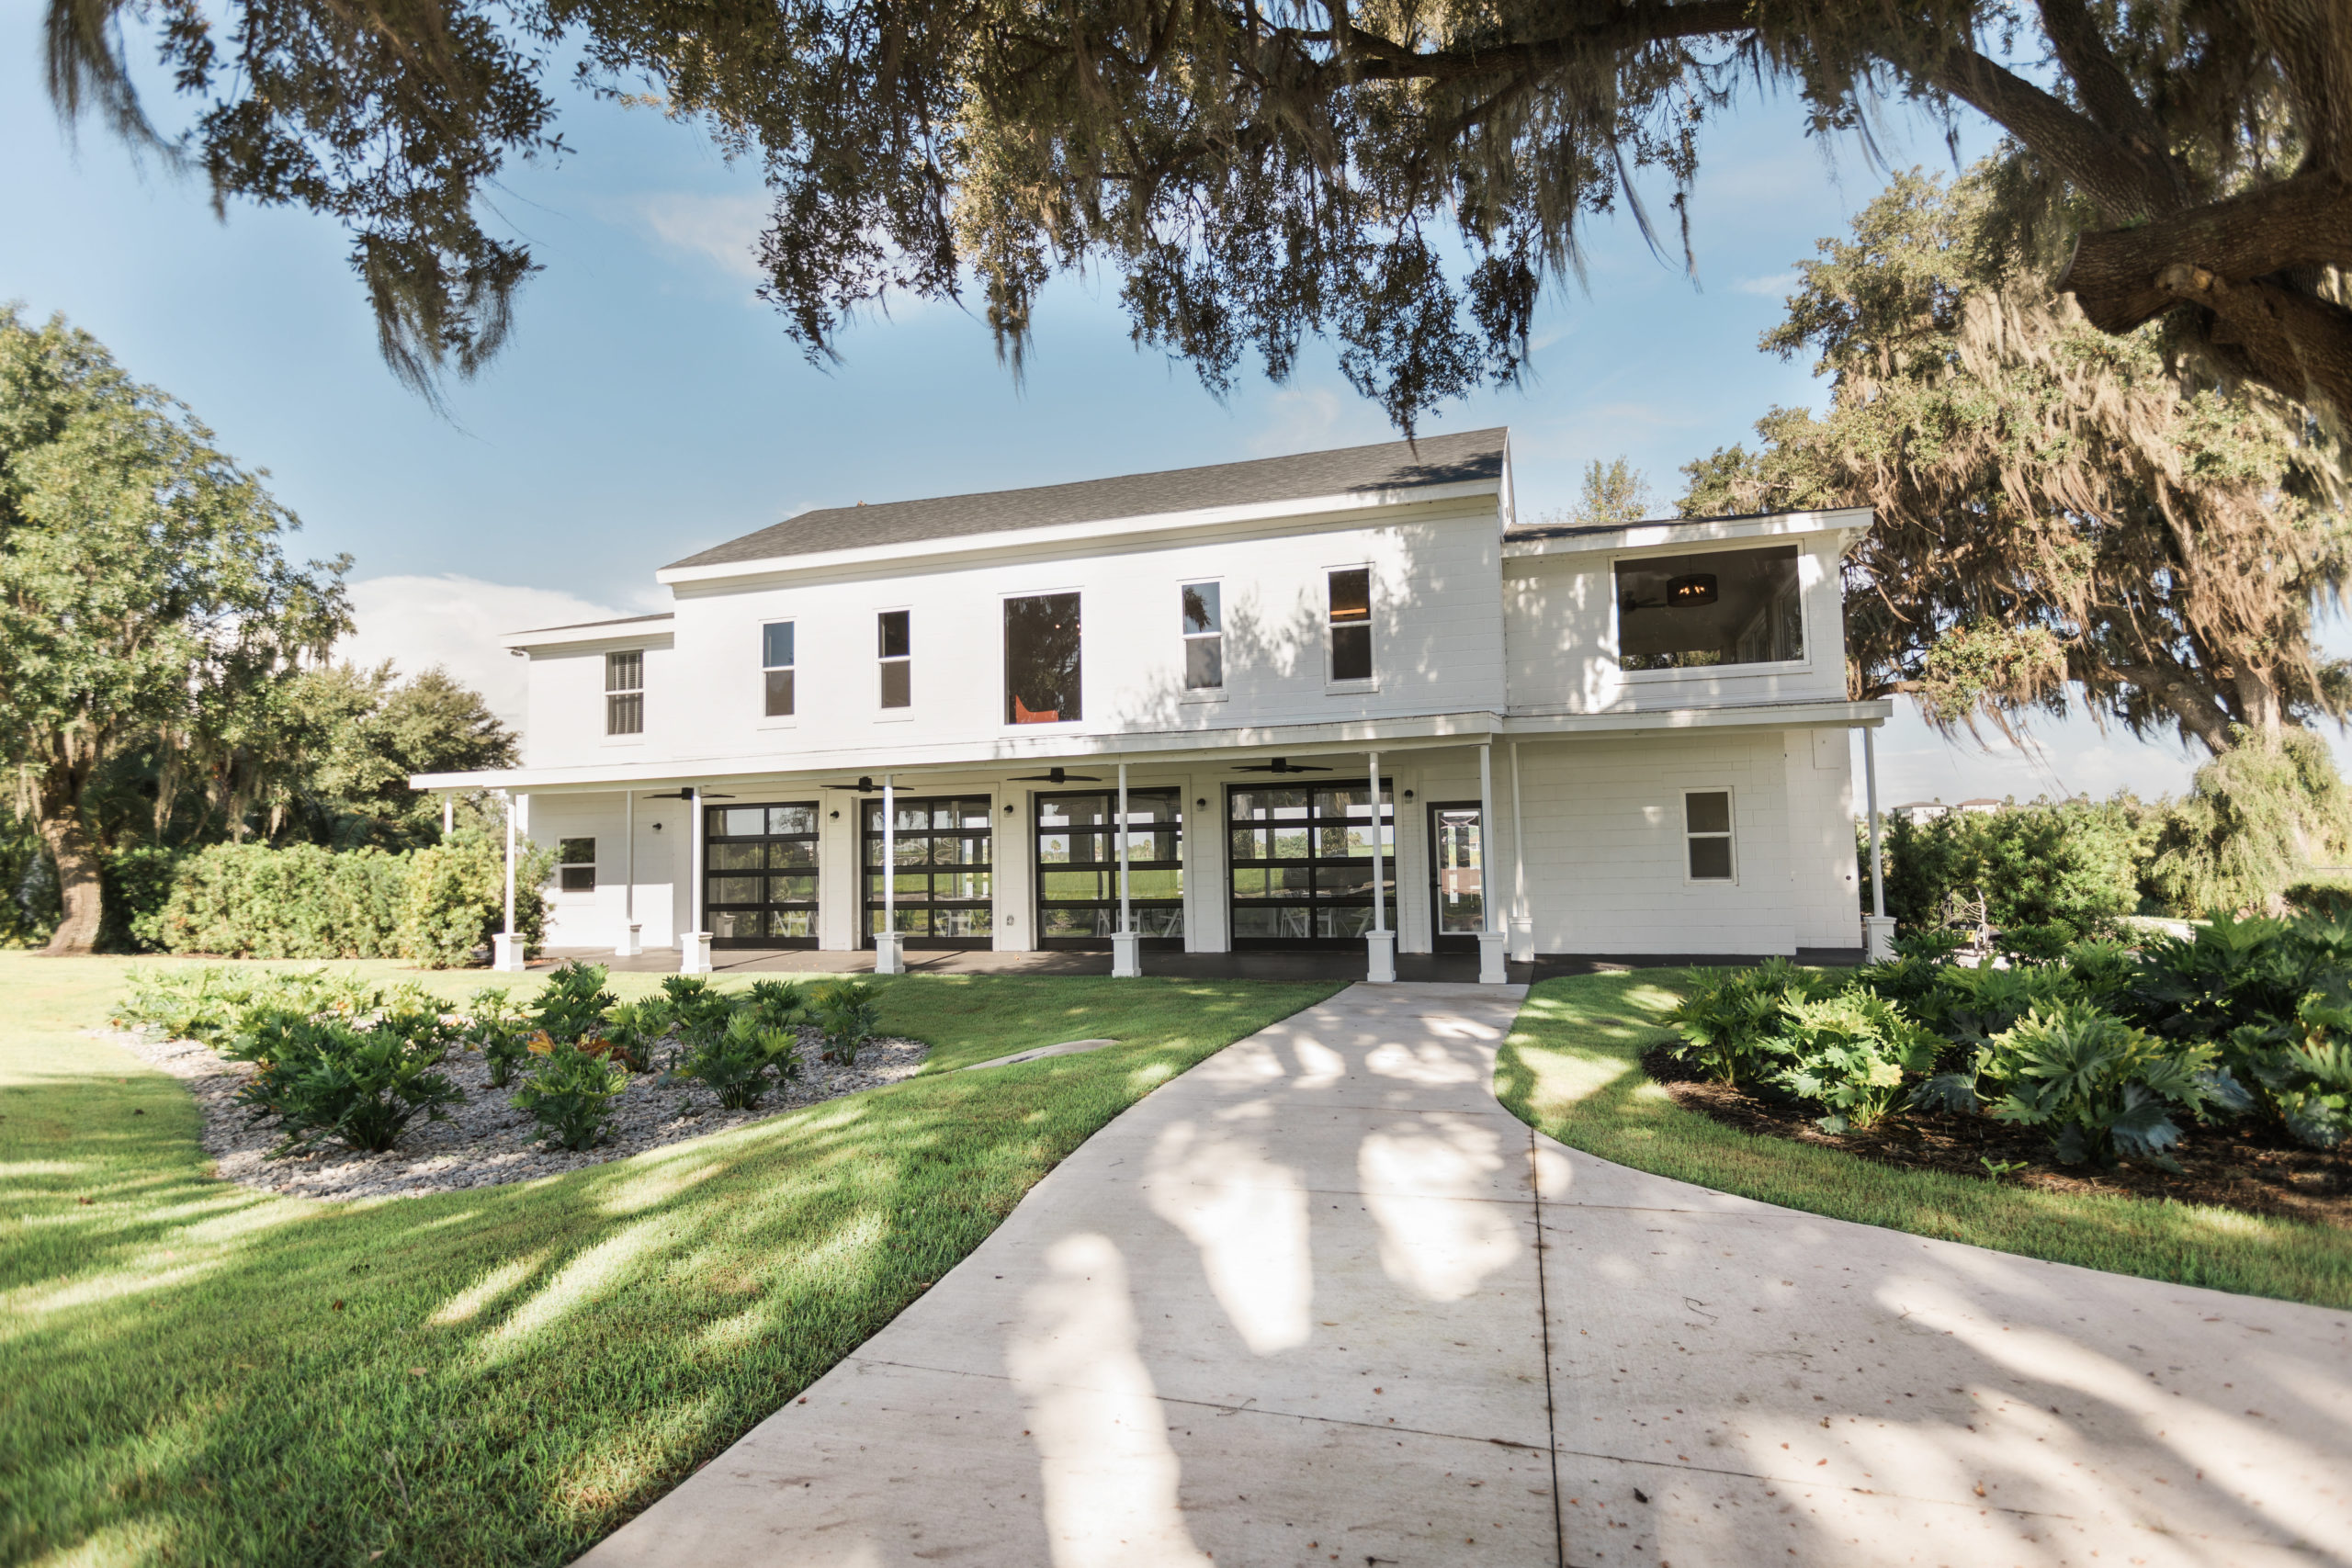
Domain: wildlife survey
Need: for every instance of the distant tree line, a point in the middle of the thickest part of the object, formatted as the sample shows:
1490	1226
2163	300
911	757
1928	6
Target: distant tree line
166	680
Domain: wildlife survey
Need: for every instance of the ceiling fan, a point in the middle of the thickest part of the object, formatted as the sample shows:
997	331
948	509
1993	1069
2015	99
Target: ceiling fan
688	794
1056	775
1281	765
864	786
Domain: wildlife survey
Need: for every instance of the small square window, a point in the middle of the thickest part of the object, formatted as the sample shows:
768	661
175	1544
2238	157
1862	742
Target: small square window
1706	831
576	865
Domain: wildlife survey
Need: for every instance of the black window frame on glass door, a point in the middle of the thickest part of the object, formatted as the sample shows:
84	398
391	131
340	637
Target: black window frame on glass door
1076	835
760	886
1441	940
1290	857
925	824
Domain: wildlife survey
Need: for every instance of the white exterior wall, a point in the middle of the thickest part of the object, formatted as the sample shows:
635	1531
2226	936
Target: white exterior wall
565	726
595	920
1560	618
1605	856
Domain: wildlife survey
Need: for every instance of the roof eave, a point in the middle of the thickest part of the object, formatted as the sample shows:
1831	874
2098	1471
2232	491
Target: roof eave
1849	522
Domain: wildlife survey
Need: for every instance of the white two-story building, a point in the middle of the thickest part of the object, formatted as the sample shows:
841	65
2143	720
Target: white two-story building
910	724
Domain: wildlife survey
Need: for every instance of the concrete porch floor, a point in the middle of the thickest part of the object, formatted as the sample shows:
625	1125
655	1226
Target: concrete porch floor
1460	968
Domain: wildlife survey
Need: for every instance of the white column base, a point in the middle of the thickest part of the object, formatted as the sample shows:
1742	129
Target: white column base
632	940
1127	955
1490	960
1381	956
889	958
1522	938
506	953
1878	937
693	953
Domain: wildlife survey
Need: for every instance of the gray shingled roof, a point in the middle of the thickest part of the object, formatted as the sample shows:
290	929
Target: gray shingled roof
1393	464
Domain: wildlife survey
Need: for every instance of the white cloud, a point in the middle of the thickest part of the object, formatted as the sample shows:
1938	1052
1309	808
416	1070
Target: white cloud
1776	287
456	622
723	228
1298	419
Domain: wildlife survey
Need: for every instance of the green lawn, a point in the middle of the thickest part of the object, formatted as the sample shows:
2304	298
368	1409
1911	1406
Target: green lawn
195	1373
1572	1069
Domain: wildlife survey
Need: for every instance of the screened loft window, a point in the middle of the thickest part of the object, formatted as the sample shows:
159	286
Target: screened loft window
1204	637
1041	659
1702	610
1352	624
895	638
625	692
776	667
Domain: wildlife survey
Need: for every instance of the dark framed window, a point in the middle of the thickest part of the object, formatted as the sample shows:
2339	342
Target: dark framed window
761	875
1352	624
894	639
625	692
1300	863
776	667
575	868
1042	667
1712	608
1204	636
1707	833
942	881
1077	867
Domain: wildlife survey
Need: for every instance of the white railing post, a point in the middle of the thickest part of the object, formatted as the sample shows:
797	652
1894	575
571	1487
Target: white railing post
632	937
1126	962
507	949
1380	968
1492	970
889	958
1878	931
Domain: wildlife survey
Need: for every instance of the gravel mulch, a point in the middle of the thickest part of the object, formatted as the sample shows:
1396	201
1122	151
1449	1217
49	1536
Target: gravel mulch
485	1142
2227	1169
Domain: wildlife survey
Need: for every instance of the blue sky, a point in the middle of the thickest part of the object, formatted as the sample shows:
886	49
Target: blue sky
649	405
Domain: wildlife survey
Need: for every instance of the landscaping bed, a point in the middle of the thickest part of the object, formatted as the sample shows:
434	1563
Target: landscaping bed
483	1140
2229	1168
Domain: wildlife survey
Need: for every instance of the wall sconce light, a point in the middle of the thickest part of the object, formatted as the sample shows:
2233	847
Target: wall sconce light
657	827
1203	802
837	816
1691	592
1409	795
1008	810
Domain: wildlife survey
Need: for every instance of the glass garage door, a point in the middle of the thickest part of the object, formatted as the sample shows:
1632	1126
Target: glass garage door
1077	867
761	889
1301	864
943	884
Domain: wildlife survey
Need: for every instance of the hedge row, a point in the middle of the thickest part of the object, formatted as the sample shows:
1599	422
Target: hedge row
437	905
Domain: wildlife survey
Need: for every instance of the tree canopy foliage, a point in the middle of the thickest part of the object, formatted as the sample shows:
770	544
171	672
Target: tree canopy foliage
1403	176
2062	515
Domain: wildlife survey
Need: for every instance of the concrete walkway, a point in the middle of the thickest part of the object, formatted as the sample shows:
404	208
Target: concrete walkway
1322	1301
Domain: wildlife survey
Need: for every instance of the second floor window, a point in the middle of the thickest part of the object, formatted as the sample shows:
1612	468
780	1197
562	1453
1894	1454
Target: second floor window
1041	673
1204	637
1352	624
625	692
776	667
894	636
1717	608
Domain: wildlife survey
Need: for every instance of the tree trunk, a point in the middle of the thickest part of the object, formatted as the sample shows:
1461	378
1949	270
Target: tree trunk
77	881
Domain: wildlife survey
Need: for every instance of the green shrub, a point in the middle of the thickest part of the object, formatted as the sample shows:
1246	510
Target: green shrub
2101	1089
695	1008
2073	862
849	1013
2296	1074
213	1003
326	1079
1730	1020
2254	819
252	901
743	1061
2223	976
570	1093
1852	1054
137	882
572	1004
455	900
777	1004
500	1029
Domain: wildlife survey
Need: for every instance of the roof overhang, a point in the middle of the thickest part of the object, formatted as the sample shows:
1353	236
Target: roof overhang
1351	505
638	629
1851	523
1348	737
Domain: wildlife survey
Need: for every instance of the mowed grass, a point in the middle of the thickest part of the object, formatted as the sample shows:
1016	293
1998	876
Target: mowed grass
194	1372
1572	1069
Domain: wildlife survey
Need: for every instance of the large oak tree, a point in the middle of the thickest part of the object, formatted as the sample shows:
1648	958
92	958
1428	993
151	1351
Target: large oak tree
1403	176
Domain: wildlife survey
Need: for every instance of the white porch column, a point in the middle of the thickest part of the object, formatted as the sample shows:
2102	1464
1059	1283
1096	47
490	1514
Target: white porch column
1878	931
1126	958
507	949
631	942
1380	968
1491	968
448	813
1522	914
694	950
889	958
